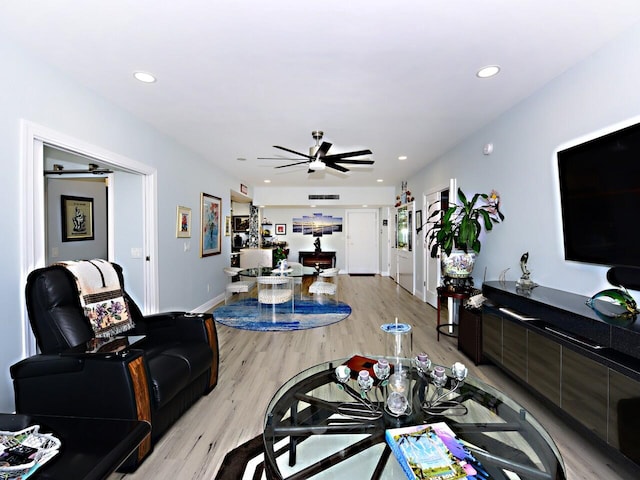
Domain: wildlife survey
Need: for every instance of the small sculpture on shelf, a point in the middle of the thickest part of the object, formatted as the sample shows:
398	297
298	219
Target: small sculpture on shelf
525	283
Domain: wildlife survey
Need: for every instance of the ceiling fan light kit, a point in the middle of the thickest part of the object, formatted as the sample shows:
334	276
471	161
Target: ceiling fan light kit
318	159
317	165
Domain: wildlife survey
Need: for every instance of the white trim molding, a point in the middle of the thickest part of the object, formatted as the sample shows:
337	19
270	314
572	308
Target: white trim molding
33	139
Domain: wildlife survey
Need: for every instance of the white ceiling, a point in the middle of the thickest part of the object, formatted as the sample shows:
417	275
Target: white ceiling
237	77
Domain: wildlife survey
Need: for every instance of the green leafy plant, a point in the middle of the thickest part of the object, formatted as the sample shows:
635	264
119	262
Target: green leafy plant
280	253
459	225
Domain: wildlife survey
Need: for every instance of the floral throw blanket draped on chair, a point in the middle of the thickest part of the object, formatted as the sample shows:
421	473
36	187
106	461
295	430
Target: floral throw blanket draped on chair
101	296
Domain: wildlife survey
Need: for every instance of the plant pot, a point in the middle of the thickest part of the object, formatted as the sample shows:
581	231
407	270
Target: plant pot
458	264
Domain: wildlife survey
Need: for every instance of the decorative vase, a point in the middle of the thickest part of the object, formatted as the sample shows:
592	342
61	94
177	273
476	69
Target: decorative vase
458	264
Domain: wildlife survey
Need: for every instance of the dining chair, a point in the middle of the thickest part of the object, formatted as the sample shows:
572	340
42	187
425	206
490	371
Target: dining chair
236	287
275	290
327	285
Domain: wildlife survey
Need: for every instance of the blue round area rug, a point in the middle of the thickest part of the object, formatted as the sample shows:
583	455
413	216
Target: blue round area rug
245	314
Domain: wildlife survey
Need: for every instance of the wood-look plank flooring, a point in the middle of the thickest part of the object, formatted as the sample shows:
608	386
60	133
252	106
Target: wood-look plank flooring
254	364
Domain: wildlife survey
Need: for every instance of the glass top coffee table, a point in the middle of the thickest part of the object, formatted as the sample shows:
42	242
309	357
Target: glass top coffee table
310	431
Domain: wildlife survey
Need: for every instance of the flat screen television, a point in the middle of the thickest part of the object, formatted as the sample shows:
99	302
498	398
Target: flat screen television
600	199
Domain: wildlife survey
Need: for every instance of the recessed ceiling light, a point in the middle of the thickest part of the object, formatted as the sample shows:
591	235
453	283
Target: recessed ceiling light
379	180
312	206
144	77
267	181
241	159
488	71
402	157
365	206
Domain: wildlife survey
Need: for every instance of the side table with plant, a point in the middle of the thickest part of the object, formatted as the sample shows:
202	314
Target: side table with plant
455	230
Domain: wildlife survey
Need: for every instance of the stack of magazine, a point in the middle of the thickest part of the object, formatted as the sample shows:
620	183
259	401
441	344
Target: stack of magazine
23	452
432	451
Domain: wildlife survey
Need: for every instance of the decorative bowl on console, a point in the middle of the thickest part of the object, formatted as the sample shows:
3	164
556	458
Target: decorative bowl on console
458	264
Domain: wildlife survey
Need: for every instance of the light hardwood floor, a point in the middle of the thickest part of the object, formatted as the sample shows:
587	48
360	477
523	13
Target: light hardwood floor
254	364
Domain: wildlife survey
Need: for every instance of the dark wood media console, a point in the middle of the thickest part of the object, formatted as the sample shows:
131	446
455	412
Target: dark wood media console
583	366
323	259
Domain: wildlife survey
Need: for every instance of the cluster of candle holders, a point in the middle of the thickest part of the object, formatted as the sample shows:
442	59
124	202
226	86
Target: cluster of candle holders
437	400
391	393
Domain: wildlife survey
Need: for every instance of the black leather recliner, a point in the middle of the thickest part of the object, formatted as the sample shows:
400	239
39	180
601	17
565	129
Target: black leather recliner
156	379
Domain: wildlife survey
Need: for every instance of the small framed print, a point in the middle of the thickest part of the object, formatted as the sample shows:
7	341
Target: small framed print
281	228
77	218
183	226
243	189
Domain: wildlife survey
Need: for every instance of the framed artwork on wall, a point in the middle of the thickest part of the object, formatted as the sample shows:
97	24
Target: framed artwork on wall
77	218
210	211
281	228
227	226
183	226
241	223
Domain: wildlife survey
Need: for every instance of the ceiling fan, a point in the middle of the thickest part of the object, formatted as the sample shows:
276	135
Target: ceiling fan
318	158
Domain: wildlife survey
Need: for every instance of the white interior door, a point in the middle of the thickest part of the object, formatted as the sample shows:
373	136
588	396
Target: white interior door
362	241
432	265
433	272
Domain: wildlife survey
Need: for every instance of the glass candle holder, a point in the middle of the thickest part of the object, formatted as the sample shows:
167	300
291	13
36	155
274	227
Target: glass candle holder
399	388
381	369
365	382
399	343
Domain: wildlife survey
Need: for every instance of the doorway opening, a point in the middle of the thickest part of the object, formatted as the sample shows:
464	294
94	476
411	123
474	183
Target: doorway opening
127	172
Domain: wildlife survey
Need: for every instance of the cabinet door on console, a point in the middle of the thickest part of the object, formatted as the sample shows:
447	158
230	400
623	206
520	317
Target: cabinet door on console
514	348
492	337
624	414
584	391
543	366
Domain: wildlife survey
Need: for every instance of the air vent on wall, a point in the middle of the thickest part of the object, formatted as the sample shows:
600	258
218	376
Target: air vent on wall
324	197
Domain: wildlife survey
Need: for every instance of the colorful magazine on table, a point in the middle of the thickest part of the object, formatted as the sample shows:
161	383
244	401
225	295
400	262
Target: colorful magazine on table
432	452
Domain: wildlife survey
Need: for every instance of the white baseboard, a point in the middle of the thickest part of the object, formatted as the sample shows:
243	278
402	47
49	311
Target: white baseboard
208	306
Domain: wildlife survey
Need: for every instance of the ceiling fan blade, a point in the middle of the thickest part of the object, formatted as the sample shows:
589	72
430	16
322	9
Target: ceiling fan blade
324	148
279	158
353	162
293	151
335	166
292	164
336	156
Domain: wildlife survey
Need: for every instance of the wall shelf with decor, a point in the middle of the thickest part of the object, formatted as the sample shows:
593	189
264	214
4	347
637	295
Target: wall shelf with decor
266	233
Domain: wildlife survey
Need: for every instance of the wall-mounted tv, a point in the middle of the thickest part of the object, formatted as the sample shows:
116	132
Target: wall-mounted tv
600	199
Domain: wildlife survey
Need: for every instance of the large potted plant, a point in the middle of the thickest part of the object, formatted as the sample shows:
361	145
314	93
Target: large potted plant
455	231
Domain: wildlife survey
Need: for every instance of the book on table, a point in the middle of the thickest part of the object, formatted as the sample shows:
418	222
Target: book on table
432	451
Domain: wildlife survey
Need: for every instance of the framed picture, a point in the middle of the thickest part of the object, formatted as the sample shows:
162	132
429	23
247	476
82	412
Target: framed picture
210	211
183	224
419	221
281	228
227	226
241	223
243	188
77	218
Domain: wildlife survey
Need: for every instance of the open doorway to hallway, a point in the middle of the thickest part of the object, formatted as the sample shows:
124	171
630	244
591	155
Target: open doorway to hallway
133	184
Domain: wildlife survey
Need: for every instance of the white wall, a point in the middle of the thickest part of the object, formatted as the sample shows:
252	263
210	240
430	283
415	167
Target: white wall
39	94
349	196
298	241
599	92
